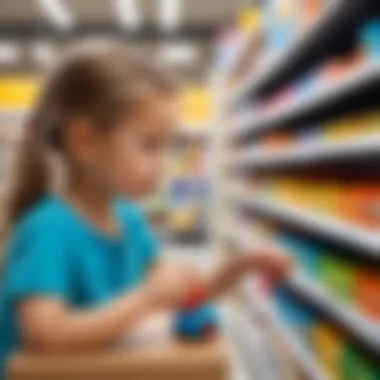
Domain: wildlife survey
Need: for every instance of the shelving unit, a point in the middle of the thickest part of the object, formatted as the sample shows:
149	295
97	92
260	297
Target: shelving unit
257	303
304	112
366	330
308	153
342	233
339	21
358	90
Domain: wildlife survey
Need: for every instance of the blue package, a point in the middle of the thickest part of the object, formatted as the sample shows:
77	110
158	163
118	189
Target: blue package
370	37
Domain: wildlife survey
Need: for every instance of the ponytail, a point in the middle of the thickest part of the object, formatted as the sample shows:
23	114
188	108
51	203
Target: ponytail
30	177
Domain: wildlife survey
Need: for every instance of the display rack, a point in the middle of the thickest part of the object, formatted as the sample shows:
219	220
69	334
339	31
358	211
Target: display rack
368	243
256	302
241	239
325	37
252	113
366	330
305	154
358	90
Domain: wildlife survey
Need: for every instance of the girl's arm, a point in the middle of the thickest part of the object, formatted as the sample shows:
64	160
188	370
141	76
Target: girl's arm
48	325
274	263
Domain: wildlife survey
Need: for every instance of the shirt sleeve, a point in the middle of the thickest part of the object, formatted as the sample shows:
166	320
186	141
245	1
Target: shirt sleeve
38	264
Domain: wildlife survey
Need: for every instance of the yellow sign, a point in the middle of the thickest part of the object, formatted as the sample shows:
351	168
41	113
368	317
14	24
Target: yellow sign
17	92
197	106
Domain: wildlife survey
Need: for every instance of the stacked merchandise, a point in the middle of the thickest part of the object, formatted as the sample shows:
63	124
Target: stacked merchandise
324	212
349	201
333	348
179	209
188	190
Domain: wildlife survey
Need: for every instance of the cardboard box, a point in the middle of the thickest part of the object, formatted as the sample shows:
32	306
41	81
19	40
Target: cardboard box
168	361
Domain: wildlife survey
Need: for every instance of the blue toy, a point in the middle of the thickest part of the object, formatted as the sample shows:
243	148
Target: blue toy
198	319
197	324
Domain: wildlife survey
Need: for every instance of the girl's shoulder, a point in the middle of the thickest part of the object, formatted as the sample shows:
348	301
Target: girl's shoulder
47	214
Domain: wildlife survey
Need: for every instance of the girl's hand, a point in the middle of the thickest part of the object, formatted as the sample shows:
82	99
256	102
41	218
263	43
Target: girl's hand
275	263
170	284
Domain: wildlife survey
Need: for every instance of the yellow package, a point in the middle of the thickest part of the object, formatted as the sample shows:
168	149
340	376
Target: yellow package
329	344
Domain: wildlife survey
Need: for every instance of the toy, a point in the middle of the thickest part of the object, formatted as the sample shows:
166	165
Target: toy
198	319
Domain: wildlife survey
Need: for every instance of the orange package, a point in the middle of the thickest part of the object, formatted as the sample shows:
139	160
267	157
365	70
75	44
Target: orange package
278	140
311	10
360	204
340	67
368	292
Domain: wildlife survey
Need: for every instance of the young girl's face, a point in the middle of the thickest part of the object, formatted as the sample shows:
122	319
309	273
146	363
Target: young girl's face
129	159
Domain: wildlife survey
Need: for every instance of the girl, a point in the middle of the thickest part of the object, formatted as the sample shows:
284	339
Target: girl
81	264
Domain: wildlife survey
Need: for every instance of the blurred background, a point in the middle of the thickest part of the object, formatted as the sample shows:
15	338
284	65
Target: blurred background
279	144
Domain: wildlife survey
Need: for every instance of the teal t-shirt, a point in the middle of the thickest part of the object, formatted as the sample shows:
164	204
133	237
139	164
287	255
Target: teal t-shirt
55	252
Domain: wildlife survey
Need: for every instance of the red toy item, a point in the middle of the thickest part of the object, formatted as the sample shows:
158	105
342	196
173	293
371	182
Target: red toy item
198	296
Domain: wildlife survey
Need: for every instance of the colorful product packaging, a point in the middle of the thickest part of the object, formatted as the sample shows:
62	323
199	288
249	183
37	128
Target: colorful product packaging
356	365
370	40
281	21
368	292
360	204
338	276
311	11
339	67
277	141
329	345
305	253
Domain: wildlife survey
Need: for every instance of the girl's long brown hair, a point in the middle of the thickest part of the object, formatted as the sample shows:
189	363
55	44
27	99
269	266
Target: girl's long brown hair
99	80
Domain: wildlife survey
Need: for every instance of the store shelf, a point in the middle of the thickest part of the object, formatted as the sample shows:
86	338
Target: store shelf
248	341
303	356
368	243
357	91
308	153
335	27
363	328
197	132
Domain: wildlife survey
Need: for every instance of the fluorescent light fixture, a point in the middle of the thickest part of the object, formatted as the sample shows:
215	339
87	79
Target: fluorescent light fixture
43	52
128	14
179	53
9	52
170	12
57	13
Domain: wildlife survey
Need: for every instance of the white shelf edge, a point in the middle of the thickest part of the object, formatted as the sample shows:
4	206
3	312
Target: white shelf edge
302	355
366	329
320	224
323	95
311	152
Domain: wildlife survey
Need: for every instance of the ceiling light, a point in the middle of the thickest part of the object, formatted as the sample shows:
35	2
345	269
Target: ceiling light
178	53
127	13
43	52
9	52
57	13
170	14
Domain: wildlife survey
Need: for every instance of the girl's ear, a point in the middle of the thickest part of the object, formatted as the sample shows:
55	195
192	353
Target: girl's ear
80	139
